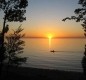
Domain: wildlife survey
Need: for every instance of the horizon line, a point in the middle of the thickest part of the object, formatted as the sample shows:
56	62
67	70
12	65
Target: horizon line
54	37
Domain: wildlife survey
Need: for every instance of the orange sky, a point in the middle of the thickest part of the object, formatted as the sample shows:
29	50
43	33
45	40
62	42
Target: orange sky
61	29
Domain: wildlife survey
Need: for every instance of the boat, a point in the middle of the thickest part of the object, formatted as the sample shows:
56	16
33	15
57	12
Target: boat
53	51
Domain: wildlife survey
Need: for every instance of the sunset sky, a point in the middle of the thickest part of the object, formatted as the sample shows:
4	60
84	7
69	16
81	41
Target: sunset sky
44	17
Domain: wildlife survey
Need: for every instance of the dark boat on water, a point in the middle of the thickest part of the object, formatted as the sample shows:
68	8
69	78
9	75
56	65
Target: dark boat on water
53	51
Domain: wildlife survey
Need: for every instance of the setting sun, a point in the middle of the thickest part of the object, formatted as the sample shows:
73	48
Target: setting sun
50	36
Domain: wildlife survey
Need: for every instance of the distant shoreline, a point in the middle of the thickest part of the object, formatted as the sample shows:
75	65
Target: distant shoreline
57	37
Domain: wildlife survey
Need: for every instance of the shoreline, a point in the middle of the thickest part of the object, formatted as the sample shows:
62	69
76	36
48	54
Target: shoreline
28	73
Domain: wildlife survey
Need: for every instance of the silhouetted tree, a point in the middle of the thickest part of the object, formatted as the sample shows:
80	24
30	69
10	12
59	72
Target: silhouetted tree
80	15
13	10
14	46
84	62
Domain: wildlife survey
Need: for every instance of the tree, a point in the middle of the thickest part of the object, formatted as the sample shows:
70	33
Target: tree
13	10
14	46
80	15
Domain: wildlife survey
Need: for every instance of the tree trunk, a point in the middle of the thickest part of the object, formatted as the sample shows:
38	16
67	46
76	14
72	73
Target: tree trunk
2	48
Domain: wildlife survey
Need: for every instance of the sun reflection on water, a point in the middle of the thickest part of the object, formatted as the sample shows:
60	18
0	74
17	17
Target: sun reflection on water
49	43
49	37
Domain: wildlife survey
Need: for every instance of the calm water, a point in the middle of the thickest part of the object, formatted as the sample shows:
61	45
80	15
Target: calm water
68	56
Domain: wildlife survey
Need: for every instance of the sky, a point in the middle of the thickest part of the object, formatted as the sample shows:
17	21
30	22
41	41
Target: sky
44	17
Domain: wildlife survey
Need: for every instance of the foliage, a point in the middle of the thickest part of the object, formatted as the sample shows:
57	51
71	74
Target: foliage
80	15
14	10
14	46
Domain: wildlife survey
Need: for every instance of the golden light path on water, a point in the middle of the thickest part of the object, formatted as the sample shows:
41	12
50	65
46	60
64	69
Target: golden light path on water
50	37
49	43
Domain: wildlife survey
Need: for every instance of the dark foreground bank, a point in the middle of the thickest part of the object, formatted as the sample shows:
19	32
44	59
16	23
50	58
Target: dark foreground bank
23	73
